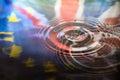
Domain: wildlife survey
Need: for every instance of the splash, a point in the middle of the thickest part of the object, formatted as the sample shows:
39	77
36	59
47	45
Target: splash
86	44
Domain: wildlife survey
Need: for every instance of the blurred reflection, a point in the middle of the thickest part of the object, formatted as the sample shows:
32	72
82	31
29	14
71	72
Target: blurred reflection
59	39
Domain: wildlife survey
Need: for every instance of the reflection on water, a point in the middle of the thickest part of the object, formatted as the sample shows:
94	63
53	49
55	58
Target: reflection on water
56	39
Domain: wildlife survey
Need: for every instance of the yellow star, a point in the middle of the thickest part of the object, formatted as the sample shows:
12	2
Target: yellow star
29	62
13	18
10	36
15	51
50	67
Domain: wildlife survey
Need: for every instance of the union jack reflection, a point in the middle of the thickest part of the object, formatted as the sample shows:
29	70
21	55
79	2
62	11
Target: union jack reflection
59	39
